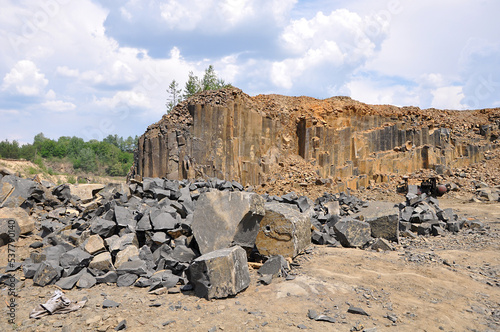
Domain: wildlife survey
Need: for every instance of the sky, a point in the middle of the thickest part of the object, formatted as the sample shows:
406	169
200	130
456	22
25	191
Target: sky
93	68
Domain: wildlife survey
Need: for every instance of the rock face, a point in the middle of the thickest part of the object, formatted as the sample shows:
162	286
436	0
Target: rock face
383	218
352	232
283	231
22	218
222	218
230	135
220	274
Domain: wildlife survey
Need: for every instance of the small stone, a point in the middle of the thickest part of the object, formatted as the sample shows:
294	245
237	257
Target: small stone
36	245
102	262
126	280
48	272
312	314
95	244
357	311
324	318
121	325
266	279
129	253
109	277
275	266
110	304
86	281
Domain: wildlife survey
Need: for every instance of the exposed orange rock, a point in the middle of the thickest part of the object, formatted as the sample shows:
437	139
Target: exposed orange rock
301	142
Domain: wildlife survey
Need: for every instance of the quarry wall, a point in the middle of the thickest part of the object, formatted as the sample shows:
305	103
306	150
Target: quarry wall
229	135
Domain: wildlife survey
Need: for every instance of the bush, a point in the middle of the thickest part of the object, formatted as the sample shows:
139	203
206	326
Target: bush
71	179
32	170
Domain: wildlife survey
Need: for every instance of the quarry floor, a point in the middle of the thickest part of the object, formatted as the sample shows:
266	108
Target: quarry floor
447	283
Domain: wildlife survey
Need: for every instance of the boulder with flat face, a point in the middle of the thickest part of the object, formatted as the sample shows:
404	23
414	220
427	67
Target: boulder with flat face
383	218
223	218
283	231
21	190
9	231
352	232
220	273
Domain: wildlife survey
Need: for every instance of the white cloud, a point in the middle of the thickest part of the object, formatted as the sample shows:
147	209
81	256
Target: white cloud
58	106
125	13
448	97
219	16
25	79
372	92
125	98
337	43
67	72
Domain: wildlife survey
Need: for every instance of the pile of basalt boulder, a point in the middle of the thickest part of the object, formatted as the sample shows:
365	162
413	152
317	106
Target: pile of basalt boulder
172	236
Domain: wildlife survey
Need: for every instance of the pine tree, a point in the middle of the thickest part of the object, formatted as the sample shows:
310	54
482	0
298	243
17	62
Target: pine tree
175	95
193	86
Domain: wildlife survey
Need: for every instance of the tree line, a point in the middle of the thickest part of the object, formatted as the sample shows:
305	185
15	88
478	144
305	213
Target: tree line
112	156
194	85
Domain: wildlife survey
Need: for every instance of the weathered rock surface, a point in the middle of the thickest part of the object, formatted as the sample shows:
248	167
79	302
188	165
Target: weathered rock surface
86	192
276	266
102	262
220	273
228	134
9	231
223	218
283	231
352	232
383	218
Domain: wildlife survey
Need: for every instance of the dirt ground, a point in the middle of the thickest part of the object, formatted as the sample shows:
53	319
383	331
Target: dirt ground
447	283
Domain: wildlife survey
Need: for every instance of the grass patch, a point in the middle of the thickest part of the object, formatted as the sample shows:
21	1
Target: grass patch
32	170
71	179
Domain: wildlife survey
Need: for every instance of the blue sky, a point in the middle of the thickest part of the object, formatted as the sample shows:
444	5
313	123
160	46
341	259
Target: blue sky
93	68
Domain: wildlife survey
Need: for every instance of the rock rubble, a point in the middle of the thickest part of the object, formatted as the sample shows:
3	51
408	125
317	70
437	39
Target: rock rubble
162	234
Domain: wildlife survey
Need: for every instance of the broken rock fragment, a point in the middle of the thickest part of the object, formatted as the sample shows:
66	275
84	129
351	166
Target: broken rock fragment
352	232
102	262
48	272
223	218
22	218
283	231
276	266
220	273
383	218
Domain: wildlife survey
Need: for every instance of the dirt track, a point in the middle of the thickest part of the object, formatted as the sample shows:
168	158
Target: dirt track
450	283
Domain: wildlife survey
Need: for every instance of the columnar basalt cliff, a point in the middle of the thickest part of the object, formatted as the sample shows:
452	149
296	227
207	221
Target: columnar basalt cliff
228	134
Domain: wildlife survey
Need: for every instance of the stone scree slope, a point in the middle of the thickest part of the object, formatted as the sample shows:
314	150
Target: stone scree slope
230	135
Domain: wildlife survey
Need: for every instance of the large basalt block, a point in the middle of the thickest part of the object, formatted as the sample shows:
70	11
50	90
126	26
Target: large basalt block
22	218
9	231
224	218
352	232
86	192
283	231
220	273
383	218
22	190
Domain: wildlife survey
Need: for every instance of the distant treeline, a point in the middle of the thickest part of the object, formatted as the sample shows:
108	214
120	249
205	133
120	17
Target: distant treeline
112	156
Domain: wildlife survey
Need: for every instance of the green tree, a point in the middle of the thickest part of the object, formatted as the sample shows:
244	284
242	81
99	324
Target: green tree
9	150
75	145
175	95
86	160
193	86
28	152
210	81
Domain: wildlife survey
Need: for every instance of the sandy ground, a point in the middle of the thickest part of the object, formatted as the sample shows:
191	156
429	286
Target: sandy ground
447	283
28	170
